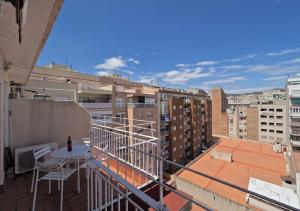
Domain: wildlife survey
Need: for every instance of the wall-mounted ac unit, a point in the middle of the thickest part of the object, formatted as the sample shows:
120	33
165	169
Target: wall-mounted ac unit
24	160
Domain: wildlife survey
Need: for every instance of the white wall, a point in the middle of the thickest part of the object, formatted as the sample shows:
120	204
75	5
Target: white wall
40	121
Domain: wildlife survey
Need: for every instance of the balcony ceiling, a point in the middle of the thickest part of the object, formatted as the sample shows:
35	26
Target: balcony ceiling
38	19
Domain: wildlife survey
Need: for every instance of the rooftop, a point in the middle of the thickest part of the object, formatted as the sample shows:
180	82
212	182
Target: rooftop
245	156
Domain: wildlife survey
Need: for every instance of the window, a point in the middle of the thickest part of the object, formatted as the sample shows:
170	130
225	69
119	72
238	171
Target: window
279	131
149	115
279	117
140	115
271	109
263	130
174	107
174	128
263	123
271	117
271	131
271	123
174	118
174	138
279	124
263	116
279	110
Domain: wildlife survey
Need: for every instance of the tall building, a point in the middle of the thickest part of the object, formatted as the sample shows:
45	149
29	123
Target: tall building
185	124
293	86
219	114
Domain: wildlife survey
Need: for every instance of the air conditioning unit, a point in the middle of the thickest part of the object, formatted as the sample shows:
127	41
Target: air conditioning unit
24	160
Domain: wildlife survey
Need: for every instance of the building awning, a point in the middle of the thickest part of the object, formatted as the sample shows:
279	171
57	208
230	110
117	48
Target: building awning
37	22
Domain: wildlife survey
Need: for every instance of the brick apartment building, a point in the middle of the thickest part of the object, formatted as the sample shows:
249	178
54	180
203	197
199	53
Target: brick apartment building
219	113
185	124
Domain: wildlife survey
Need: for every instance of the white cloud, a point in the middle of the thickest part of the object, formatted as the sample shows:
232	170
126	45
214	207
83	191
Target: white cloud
247	90
273	69
181	77
135	61
283	52
147	79
275	78
113	63
207	63
183	65
293	61
225	80
177	76
241	58
103	73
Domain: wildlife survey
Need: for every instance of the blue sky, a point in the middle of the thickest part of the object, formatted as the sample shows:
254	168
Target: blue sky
241	45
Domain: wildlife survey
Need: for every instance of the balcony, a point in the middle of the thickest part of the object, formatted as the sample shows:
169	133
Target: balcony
295	143
295	112
120	105
295	124
141	105
96	105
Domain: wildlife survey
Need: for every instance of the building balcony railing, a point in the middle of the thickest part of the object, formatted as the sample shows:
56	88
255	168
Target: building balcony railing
295	124
96	105
295	114
120	105
295	143
141	105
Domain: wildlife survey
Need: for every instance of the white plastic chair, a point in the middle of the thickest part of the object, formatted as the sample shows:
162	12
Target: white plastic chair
54	171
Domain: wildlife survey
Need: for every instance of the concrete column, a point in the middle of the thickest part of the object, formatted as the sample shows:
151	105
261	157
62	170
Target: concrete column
4	123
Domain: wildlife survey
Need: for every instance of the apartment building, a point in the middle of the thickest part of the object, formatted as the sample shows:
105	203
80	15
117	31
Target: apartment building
181	119
237	121
293	86
219	113
185	124
272	122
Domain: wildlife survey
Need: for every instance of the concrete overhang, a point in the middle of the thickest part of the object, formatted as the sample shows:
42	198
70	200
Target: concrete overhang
38	19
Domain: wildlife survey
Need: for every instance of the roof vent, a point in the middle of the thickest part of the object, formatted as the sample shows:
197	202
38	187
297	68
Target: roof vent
221	156
277	147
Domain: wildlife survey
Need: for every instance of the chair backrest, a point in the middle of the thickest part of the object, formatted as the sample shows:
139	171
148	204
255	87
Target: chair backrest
41	152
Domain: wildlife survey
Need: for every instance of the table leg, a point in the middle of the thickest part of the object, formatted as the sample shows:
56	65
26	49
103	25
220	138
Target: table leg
78	175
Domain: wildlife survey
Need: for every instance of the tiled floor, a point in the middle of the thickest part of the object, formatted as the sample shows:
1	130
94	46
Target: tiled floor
17	196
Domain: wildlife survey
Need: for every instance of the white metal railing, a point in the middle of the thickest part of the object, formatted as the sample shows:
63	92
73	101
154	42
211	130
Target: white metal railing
96	105
141	105
117	190
130	148
108	190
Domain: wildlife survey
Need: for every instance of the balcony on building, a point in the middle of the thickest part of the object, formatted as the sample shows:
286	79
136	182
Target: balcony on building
95	102
295	112
141	102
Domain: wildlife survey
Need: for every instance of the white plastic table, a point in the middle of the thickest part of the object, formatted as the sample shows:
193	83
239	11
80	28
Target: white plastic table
78	151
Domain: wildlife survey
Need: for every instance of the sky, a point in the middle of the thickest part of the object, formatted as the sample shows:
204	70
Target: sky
240	45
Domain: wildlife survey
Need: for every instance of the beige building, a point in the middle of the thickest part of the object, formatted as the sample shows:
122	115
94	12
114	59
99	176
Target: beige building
272	122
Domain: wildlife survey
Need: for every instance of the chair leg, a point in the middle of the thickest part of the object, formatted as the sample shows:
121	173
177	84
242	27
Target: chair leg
35	189
61	195
49	186
33	178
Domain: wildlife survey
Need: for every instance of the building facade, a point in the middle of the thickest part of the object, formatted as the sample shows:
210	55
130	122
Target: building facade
219	113
293	86
181	119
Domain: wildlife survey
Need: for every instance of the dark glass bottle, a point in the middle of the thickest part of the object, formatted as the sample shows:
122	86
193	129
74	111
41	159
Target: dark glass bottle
69	144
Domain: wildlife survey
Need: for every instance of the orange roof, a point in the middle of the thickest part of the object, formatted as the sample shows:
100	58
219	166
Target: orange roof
250	159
